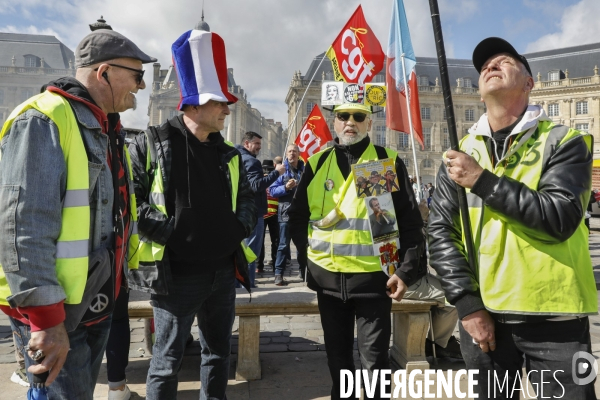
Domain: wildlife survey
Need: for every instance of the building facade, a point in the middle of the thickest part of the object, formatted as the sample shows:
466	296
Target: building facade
26	63
165	97
567	86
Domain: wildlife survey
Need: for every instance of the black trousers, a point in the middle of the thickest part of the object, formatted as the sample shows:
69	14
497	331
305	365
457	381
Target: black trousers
541	346
273	226
117	348
374	327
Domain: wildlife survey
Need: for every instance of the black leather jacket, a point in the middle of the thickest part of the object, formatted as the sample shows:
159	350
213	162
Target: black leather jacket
551	214
153	225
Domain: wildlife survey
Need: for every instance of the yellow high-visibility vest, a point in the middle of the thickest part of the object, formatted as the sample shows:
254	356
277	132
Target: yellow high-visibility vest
347	246
519	274
72	243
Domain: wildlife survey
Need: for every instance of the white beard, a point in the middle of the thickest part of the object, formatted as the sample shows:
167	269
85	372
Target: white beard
134	103
347	141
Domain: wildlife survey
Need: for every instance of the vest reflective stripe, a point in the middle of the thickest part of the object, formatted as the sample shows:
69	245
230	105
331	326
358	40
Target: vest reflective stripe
158	199
72	249
354	224
349	250
148	251
76	198
348	246
133	260
72	243
518	273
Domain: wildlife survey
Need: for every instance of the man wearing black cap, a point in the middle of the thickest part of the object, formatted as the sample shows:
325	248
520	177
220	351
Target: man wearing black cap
527	181
70	222
270	220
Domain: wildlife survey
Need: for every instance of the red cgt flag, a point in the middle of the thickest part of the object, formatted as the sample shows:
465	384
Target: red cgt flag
314	134
356	55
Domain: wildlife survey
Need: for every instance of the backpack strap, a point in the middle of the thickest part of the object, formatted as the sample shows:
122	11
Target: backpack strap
322	159
381	153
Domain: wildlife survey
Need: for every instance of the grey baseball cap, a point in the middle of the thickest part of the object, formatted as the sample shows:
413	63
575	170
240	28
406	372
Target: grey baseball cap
105	44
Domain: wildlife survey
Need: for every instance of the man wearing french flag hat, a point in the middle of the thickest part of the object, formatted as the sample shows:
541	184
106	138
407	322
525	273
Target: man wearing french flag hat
196	208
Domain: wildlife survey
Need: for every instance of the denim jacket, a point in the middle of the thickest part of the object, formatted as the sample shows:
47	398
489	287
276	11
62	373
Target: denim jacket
32	188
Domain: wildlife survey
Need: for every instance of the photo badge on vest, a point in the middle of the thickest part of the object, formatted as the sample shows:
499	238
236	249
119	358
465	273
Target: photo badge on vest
375	181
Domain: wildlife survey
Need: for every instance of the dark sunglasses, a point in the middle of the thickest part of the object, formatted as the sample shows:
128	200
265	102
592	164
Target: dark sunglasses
345	116
140	72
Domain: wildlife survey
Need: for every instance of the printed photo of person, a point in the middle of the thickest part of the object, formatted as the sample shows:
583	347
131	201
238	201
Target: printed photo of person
376	187
364	187
391	184
332	92
381	217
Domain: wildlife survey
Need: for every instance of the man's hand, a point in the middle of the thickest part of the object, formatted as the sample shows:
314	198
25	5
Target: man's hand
462	168
481	328
290	184
280	168
54	342
396	287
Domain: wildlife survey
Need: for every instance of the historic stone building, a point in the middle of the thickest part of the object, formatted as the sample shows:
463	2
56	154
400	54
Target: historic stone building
26	63
567	85
165	98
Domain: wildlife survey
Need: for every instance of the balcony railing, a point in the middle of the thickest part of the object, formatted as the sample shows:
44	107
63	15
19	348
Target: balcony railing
37	71
567	82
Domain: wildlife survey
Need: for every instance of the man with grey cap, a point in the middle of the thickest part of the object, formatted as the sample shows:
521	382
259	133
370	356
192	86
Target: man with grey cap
528	181
68	216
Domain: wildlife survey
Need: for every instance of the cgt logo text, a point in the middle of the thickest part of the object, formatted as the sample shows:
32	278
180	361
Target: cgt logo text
436	384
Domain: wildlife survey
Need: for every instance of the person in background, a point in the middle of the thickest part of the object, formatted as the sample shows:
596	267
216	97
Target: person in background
270	222
19	375
249	149
284	189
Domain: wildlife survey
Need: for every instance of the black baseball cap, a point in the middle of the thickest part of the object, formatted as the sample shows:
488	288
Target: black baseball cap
268	164
104	45
494	45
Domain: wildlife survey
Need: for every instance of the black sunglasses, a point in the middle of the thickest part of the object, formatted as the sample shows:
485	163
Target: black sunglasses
140	72
345	116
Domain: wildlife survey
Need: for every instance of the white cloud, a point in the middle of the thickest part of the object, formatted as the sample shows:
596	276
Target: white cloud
266	41
578	25
32	30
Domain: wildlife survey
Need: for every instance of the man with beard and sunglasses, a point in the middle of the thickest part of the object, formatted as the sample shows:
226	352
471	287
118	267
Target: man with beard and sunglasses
69	221
349	281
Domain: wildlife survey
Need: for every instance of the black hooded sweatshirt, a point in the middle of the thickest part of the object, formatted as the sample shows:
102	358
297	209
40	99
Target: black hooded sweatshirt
206	228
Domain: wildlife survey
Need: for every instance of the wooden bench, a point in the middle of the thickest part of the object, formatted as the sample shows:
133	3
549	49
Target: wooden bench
410	325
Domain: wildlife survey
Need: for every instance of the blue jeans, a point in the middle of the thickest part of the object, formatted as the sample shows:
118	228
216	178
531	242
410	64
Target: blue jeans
283	251
255	242
78	376
211	298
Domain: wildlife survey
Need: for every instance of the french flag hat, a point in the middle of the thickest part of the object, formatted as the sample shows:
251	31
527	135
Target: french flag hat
201	65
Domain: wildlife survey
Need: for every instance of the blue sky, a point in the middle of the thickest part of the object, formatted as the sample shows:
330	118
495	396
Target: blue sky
267	40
